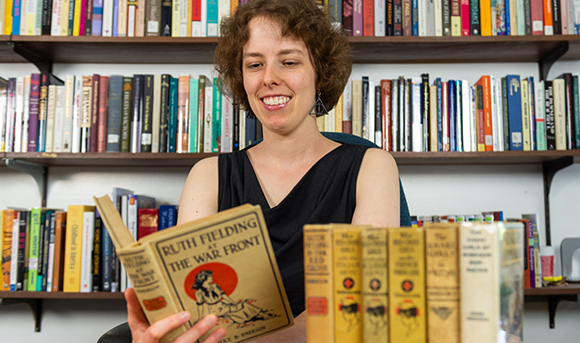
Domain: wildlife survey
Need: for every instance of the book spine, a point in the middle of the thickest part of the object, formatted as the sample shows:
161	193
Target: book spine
452	109
560	113
570	141
386	115
398	18
172	117
347	284
416	115
226	144
442	282
96	269
479	318
216	116
97	22
465	21
208	120
556	17
103	112
164	112
375	282
156	117
51	103
147	221
526	133
365	108
59	99
487	112
347	12
415	17
466	116
368	18
73	248
95	100
540	117
433	118
193	114
506	132
183	113
527	18
407	23
77	114
475	24
480	118
122	19
357	107
153	18
347	108
86	102
537	17
501	12
548	22
166	14
88	237
137	112
406	268
14	250
445	115
430	14
125	139
514	112
67	125
57	270
146	123
379	18
576	113
114	115
106	257
49	222
511	275
550	119
357	17
201	116
564	16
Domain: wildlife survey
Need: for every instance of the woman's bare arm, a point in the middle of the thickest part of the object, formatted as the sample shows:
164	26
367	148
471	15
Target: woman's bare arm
199	197
377	194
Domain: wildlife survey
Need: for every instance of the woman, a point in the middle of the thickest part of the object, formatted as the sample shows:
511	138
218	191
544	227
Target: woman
277	57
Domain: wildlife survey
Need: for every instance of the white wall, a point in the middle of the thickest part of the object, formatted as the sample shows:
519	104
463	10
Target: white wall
515	189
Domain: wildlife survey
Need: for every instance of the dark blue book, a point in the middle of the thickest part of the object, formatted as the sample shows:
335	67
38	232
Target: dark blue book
172	117
250	131
137	112
415	17
115	110
167	216
106	256
514	112
452	107
439	114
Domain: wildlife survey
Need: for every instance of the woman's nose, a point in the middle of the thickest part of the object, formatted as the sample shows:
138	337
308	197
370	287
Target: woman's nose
271	76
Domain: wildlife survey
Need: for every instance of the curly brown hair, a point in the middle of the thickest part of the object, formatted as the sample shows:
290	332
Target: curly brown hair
300	19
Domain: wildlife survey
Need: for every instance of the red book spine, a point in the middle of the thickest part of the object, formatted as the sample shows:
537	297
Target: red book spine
196	10
368	18
445	114
465	20
386	114
95	114
103	114
83	17
147	221
487	113
537	13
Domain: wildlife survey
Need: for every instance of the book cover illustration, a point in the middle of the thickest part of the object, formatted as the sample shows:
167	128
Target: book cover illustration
222	264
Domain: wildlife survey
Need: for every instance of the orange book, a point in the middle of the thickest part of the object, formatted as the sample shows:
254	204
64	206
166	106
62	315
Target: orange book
548	21
59	234
233	6
183	113
484	82
485	17
6	249
386	115
102	114
368	18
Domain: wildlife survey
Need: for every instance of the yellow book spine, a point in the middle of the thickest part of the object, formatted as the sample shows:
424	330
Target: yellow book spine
347	284
526	134
479	279
8	18
73	247
456	26
338	113
6	249
485	17
375	285
442	282
176	18
77	20
357	108
64	17
407	312
30	18
318	281
233	6
433	119
189	17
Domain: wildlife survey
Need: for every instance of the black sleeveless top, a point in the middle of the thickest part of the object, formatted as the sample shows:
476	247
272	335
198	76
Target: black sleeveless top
326	194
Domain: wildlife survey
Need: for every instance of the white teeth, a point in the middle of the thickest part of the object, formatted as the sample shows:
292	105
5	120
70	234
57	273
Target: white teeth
277	100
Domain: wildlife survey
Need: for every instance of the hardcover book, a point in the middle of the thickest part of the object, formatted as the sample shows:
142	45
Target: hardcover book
203	267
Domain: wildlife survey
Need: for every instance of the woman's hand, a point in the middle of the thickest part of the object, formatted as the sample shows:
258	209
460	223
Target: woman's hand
142	332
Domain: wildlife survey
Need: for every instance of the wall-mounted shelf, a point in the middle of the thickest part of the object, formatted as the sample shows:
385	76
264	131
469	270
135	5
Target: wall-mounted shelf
553	295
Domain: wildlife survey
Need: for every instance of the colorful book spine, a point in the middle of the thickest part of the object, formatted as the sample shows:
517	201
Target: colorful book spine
147	122
560	113
183	113
540	117
216	116
103	114
86	257
73	247
193	113
97	20
375	285
465	20
514	112
172	118
167	216
406	268
347	283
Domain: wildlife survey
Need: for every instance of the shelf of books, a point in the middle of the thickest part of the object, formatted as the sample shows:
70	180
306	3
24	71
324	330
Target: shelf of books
571	289
386	49
61	295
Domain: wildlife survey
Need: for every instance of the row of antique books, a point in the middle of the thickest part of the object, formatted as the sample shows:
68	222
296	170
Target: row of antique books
199	18
493	114
444	282
139	113
70	250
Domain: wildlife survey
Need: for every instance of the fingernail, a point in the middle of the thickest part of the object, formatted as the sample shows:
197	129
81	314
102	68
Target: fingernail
184	315
211	319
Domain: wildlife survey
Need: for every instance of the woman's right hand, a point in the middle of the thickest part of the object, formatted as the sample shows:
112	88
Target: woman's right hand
142	332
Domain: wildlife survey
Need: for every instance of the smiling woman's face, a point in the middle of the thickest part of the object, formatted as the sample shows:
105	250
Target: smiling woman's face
279	77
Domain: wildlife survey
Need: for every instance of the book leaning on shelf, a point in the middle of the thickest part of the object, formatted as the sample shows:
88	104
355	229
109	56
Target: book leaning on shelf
189	266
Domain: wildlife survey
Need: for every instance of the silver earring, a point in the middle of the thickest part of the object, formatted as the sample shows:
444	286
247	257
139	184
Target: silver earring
319	109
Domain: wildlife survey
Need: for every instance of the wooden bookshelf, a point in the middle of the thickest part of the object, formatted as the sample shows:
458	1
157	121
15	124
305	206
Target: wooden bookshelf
195	50
571	289
187	159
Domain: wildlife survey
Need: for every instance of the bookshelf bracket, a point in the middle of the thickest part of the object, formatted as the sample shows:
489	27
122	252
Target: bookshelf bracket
553	301
34	304
38	171
43	64
548	60
549	170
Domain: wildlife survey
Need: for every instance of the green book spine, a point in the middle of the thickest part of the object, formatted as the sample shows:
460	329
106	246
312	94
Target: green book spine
172	120
33	247
576	113
541	119
126	114
193	108
217	118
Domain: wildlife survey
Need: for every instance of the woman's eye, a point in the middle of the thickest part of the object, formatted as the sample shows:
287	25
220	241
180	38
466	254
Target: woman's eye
253	65
290	63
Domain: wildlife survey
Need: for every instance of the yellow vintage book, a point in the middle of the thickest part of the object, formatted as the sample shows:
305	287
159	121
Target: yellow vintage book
347	283
442	282
73	247
559	86
479	279
407	312
338	114
222	264
375	285
7	219
319	282
357	107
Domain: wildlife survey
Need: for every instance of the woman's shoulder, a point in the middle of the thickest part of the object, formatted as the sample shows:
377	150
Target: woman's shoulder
378	161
